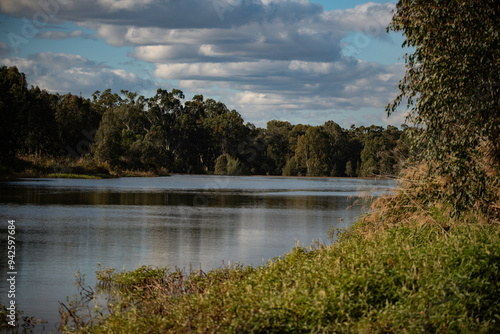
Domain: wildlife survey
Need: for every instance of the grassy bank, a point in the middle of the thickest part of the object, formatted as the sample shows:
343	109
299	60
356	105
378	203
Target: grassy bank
65	167
425	273
50	167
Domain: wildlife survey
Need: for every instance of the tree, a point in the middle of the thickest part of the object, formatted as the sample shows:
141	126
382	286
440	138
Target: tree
227	165
290	168
318	147
108	147
277	141
163	110
452	87
302	154
337	148
38	134
76	119
13	103
349	171
226	128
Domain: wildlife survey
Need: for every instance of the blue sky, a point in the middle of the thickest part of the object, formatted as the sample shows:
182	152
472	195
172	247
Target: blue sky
297	60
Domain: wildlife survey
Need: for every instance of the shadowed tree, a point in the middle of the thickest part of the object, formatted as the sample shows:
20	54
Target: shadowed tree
13	102
452	85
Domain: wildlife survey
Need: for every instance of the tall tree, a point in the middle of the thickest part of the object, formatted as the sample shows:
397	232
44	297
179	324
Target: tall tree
163	110
39	135
337	148
13	103
277	141
452	85
226	129
77	120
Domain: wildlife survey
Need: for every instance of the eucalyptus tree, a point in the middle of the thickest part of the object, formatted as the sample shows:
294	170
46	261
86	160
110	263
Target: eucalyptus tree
163	110
452	88
277	140
227	131
39	134
13	98
77	119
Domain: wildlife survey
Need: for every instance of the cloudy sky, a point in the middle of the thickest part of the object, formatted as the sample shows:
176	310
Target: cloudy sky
304	61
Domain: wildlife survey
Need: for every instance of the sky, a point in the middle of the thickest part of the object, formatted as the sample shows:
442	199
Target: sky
302	61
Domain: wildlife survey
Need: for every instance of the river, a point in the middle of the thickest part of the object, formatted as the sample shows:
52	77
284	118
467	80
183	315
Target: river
65	225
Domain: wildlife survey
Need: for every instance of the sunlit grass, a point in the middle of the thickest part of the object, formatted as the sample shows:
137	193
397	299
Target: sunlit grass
78	176
412	277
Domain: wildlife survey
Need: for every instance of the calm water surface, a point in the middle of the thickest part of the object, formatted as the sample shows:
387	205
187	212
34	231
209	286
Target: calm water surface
64	226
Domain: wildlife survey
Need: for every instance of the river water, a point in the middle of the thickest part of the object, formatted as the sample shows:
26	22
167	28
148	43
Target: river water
63	226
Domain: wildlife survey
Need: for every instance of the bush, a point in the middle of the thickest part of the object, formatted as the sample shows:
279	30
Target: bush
290	168
227	165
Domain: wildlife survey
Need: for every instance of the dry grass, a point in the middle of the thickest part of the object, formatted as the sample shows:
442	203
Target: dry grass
417	199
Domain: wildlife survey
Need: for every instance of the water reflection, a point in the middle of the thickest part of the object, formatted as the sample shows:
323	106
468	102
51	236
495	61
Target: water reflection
69	225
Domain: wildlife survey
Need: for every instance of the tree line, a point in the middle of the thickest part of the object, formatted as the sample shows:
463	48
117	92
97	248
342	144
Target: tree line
167	132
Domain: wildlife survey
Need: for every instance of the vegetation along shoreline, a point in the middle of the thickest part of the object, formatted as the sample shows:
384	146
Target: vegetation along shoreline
425	259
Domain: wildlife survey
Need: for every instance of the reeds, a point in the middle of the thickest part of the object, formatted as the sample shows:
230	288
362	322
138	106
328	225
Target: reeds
153	290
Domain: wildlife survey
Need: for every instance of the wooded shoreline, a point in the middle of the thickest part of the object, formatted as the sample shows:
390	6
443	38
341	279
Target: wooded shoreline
167	133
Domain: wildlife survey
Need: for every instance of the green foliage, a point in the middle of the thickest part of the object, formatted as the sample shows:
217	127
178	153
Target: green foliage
108	277
278	144
221	165
75	116
37	133
349	170
452	85
167	133
234	167
78	176
404	278
13	103
290	168
227	165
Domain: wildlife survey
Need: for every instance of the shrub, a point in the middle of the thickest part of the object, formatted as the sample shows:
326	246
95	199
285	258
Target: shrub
227	165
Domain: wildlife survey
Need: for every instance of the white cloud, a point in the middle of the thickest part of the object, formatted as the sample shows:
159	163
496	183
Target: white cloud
261	57
336	90
112	34
55	35
121	5
370	18
219	71
60	72
166	53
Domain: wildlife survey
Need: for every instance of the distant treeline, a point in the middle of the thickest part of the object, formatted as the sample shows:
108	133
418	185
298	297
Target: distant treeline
168	133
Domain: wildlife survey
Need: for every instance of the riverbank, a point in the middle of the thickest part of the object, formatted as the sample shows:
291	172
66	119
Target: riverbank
406	267
49	167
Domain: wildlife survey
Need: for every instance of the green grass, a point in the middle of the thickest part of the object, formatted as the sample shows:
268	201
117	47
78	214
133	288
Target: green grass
78	176
407	278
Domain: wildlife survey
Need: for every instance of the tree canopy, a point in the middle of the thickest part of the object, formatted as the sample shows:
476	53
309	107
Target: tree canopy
452	85
170	133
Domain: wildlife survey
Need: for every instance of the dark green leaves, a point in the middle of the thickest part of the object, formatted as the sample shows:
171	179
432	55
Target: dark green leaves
452	85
